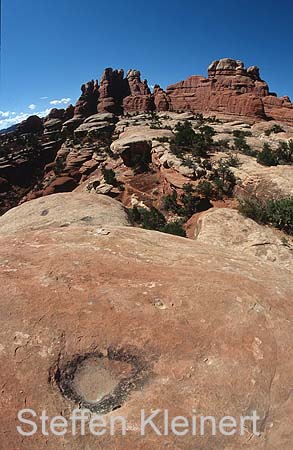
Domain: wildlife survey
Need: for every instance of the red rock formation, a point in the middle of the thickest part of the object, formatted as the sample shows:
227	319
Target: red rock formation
278	108
87	103
112	91
140	98
161	100
229	89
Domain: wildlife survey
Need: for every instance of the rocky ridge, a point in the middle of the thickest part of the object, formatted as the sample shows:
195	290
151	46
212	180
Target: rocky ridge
230	89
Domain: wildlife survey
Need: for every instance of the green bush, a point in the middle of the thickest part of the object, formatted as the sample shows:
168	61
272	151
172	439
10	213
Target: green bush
223	178
153	219
189	203
278	213
174	228
284	152
186	139
170	202
222	144
184	134
109	176
275	129
241	133
241	144
205	188
267	157
162	139
232	161
150	219
253	209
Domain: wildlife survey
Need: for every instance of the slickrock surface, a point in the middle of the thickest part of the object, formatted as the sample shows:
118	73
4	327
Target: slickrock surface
207	328
64	210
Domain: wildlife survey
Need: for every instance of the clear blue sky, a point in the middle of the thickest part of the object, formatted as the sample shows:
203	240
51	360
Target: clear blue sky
50	47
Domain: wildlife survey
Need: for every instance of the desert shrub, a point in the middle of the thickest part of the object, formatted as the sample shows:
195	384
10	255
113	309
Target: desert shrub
232	161
189	203
184	134
267	157
174	228
187	139
155	121
240	142
278	213
241	133
274	129
205	188
223	179
188	162
109	176
170	202
153	219
222	143
253	209
150	219
282	155
200	118
284	152
206	164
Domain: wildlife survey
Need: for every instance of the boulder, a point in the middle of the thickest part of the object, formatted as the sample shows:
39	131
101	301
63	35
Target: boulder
64	210
32	124
262	182
228	229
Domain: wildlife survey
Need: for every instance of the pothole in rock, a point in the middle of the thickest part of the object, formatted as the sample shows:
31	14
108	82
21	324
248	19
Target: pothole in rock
101	383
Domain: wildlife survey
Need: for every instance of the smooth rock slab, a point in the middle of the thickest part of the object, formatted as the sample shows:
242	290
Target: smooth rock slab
213	328
64	210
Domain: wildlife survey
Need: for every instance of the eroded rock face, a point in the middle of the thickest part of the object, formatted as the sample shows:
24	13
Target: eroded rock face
230	89
112	90
77	306
140	98
87	103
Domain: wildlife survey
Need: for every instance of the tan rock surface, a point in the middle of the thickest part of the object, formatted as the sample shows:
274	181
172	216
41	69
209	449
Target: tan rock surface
137	134
64	210
261	181
227	228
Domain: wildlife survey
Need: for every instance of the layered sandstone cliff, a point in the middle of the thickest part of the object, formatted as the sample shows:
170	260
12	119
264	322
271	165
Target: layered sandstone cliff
230	89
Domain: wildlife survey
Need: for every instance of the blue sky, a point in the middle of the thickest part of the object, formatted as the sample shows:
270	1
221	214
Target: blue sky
50	47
